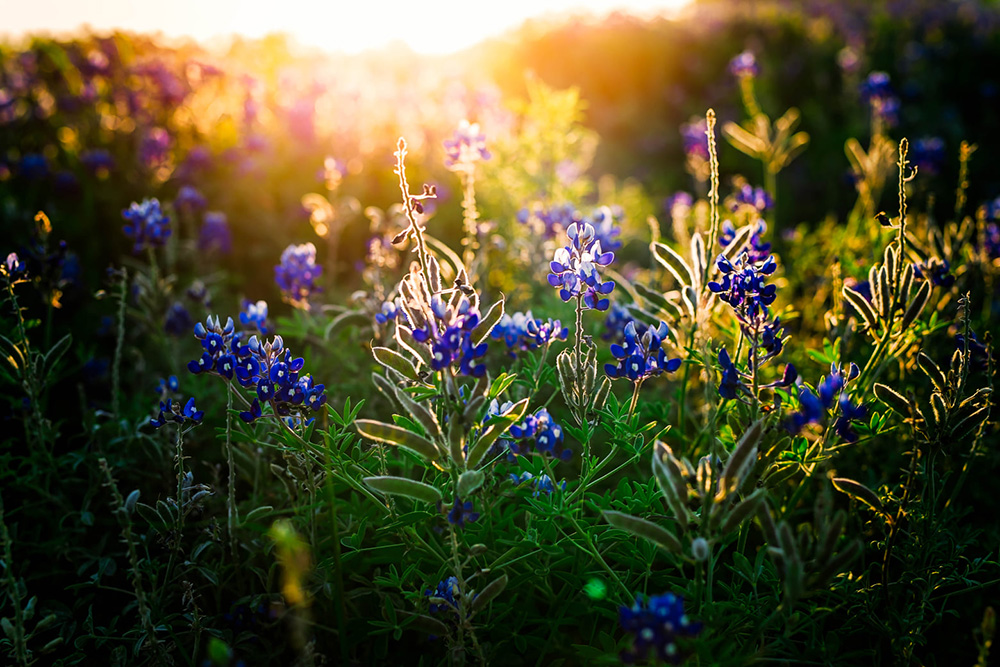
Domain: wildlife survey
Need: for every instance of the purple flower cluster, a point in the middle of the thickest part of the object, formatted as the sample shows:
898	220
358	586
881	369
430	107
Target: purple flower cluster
656	624
755	198
733	382
759	250
541	484
297	273
744	64
831	390
215	235
462	512
541	431
446	597
523	331
574	268
174	412
928	155
268	367
744	285
189	199
642	356
938	271
255	315
695	139
449	336
618	318
552	220
178	320
387	313
466	147
877	91
146	225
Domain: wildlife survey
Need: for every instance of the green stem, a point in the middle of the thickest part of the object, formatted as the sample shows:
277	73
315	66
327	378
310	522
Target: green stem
232	516
20	644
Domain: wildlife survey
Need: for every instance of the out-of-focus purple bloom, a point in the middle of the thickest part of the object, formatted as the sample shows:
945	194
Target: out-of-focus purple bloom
146	225
693	134
606	221
178	320
466	147
758	249
938	271
34	166
215	235
97	161
297	273
155	147
878	92
928	155
387	314
189	199
618	318
756	198
656	625
574	268
744	64
549	221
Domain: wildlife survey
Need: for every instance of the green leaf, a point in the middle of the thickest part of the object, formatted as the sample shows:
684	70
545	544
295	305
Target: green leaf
892	398
401	486
394	435
498	426
674	263
490	319
397	362
644	529
859	491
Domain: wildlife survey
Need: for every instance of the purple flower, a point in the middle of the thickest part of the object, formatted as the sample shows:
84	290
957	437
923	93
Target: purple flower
466	147
541	431
174	412
541	484
461	513
146	225
522	332
255	315
642	356
656	624
215	235
189	199
744	64
756	198
574	268
297	273
693	134
155	147
178	320
744	286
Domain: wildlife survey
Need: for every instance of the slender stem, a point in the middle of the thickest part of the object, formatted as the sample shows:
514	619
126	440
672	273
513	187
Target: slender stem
20	645
119	345
233	518
635	397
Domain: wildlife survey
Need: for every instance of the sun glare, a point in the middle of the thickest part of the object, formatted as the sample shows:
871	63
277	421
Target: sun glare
430	26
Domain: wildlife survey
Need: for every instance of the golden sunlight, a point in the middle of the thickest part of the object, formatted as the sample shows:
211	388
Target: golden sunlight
431	26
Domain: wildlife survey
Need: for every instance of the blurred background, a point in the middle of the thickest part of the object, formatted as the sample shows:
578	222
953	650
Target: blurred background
254	106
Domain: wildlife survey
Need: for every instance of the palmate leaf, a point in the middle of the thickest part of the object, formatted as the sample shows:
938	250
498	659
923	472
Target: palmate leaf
401	486
395	435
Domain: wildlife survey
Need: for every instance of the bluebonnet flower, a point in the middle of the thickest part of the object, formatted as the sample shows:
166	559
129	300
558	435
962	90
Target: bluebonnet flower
829	393
198	292
178	320
155	147
446	597
448	335
174	412
97	161
549	221
466	147
877	91
166	385
189	199
734	381
387	313
34	166
574	268
731	378
605	220
642	356
758	250
255	315
978	351
541	484
744	64
297	273
992	240
522	331
770	339
267	367
540	430
695	138
13	265
744	286
755	198
618	318
928	154
215	234
938	271
460	513
656	624
146	225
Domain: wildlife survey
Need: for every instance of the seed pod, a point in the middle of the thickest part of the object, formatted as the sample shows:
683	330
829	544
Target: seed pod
905	286
829	536
836	564
743	510
401	486
691	299
970	424
469	482
862	307
885	294
434	273
601	396
456	443
889	261
700	549
933	371
130	502
567	375
672	484
492	590
741	461
698	259
489	320
940	410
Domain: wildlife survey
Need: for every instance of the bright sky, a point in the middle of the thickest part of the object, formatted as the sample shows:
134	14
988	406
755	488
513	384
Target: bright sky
428	26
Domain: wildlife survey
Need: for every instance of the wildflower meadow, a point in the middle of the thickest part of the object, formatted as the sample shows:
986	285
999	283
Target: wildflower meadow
643	341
